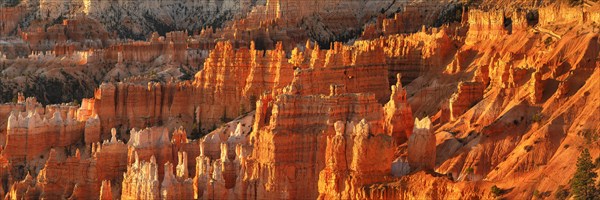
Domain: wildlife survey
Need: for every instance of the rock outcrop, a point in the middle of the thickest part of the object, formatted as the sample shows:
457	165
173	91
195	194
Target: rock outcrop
141	180
172	47
106	191
29	134
59	175
276	139
24	189
354	157
10	18
152	143
136	106
506	97
412	18
82	32
178	185
467	95
421	146
485	26
414	54
398	115
92	130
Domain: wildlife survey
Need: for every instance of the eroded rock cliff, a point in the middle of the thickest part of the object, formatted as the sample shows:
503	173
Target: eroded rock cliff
505	98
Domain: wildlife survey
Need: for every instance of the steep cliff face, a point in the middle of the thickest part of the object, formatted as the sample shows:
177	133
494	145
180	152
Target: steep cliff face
92	130
106	191
110	157
354	157
421	146
154	143
467	95
137	106
221	165
506	98
73	176
231	79
512	128
10	18
414	54
358	68
411	17
67	178
82	32
485	26
172	47
296	153
246	161
37	134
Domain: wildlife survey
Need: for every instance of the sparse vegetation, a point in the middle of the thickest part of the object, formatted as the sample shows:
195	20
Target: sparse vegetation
496	191
10	3
536	118
583	182
536	194
242	109
469	171
197	131
589	135
224	117
575	2
253	100
548	41
561	193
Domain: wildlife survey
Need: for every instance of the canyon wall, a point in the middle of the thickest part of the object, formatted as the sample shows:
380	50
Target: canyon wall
173	47
494	101
37	133
82	32
485	26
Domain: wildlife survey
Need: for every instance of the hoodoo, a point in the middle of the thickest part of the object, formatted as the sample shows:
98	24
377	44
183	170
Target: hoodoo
297	99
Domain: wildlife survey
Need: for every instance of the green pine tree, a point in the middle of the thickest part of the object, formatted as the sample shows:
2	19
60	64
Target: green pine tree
583	182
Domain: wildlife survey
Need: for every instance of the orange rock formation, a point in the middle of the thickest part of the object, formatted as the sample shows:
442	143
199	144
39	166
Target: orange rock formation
505	97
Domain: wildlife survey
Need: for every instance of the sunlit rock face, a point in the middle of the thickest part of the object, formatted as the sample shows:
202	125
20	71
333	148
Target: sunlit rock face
274	99
421	146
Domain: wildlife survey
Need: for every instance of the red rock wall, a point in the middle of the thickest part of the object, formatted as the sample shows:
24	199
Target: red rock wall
468	94
79	31
136	106
485	26
398	114
359	68
297	154
38	134
355	157
9	18
173	47
58	176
